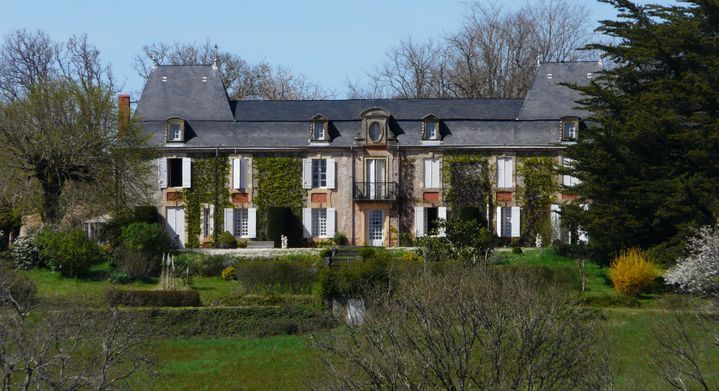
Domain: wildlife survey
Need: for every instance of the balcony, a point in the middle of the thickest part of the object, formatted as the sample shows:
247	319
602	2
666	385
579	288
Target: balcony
375	191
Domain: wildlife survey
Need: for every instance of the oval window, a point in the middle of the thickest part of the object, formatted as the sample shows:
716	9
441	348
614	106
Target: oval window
375	131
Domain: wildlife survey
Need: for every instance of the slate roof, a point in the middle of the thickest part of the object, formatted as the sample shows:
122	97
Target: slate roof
215	121
548	99
184	94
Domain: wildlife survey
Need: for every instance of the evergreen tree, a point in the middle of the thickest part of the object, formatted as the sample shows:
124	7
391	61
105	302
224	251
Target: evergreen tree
649	160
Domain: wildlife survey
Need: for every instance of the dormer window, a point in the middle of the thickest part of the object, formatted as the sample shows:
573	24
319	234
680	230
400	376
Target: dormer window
176	130
319	128
430	128
570	129
375	132
318	132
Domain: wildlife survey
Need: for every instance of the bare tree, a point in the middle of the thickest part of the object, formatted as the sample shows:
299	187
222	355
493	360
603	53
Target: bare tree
71	349
242	80
469	328
59	127
493	54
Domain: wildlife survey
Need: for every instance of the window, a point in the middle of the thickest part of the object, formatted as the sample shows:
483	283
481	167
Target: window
506	223
375	132
175	172
568	180
319	222
206	229
505	172
319	173
431	130
569	129
318	131
240	222
430	220
431	173
175	132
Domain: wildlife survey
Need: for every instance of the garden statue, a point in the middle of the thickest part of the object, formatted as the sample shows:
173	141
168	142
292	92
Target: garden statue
283	240
538	242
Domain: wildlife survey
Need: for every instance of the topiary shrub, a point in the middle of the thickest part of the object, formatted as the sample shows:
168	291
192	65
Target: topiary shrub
24	252
141	249
242	243
119	278
411	257
516	250
340	239
325	253
153	298
631	272
228	273
227	240
366	252
281	221
69	252
275	276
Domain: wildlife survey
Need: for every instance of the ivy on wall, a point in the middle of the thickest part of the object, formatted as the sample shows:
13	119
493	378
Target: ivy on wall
209	186
279	183
466	181
406	200
535	194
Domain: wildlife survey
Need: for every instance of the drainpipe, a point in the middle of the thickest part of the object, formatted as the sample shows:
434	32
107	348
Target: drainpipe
352	193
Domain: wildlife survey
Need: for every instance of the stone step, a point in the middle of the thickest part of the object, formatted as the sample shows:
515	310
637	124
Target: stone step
260	244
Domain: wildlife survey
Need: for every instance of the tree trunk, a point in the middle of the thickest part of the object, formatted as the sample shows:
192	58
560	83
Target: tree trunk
51	192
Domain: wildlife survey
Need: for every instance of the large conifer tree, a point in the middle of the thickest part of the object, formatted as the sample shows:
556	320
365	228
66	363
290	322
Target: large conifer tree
649	160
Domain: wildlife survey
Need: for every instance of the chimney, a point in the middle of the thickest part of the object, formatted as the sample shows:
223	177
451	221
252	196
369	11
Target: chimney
123	114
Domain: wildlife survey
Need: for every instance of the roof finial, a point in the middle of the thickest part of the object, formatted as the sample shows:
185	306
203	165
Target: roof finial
214	60
155	63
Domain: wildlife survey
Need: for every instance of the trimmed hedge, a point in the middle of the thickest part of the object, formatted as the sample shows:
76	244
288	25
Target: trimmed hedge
237	321
153	298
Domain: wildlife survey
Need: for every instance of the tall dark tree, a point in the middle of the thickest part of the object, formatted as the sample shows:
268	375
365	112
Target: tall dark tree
650	163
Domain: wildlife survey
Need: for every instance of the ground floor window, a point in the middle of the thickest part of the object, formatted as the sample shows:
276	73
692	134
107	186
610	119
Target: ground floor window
240	222
508	222
431	220
319	222
206	221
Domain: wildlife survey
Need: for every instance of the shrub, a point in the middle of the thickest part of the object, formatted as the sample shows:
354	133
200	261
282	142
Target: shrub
516	250
366	252
228	273
69	252
227	240
119	278
112	231
24	252
698	272
266	276
325	252
141	249
631	273
340	239
411	257
242	243
16	288
354	279
281	221
153	298
210	265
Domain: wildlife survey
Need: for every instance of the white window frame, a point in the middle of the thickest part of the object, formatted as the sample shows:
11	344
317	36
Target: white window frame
568	180
319	127
434	135
317	174
319	223
575	131
175	132
240	223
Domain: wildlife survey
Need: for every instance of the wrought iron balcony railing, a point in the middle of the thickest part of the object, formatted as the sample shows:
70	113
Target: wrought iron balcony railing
375	191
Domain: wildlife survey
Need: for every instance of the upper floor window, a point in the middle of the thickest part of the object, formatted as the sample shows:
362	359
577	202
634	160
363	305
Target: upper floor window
430	122
505	172
375	131
570	129
318	131
319	173
175	130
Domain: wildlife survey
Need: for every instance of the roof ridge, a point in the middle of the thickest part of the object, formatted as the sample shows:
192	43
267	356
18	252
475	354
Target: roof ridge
375	99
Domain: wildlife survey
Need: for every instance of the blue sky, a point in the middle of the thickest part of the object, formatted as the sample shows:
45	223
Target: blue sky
329	41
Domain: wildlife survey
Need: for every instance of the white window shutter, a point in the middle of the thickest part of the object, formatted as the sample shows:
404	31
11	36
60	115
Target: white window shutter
509	172
556	221
419	221
442	214
162	172
428	173
498	217
331	173
244	173
252	223
236	174
229	220
307	222
212	220
186	172
331	222
515	221
435	173
500	173
307	173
